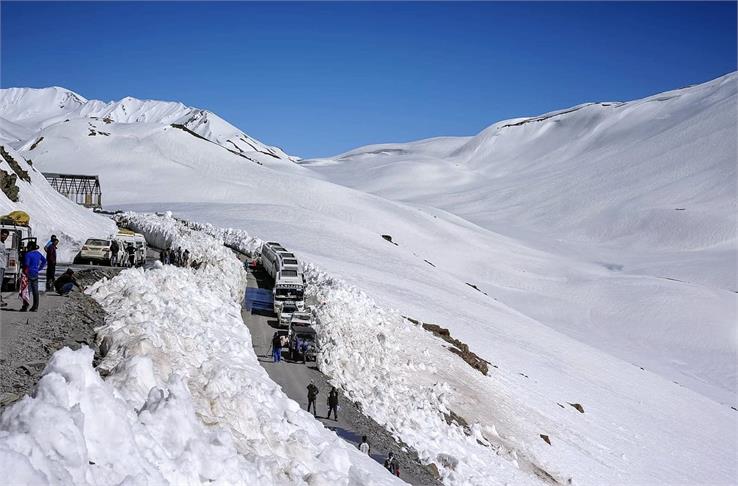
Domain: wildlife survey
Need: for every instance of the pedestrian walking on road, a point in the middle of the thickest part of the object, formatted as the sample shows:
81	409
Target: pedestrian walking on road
51	262
178	256
312	396
33	263
276	348
3	262
114	249
163	256
186	258
64	284
333	403
364	446
392	465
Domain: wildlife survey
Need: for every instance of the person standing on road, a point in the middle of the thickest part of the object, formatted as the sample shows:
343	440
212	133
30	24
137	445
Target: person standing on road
66	282
312	396
3	263
392	465
333	404
178	256
364	446
276	348
114	249
131	250
186	258
34	262
51	262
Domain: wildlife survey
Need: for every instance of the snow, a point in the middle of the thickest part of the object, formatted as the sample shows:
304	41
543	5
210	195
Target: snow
36	109
636	428
594	288
186	401
50	212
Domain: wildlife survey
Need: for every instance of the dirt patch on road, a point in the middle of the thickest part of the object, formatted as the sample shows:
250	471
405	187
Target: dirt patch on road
71	324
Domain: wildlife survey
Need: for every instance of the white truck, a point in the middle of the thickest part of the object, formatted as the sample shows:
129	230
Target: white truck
18	236
289	284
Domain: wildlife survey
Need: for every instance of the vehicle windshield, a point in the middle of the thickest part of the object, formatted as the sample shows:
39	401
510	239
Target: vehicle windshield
302	316
288	294
289	308
94	242
290	261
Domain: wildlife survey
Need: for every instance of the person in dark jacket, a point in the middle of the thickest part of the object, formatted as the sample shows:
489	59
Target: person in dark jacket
163	257
51	262
276	348
66	282
392	465
33	263
333	403
114	249
312	396
131	250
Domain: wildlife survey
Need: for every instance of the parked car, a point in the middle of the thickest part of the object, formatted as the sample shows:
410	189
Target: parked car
95	250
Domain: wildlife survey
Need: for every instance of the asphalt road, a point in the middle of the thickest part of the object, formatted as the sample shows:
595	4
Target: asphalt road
294	377
12	321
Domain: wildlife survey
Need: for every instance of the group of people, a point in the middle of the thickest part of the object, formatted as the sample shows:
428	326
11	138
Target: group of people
129	255
332	400
33	262
176	257
390	462
280	341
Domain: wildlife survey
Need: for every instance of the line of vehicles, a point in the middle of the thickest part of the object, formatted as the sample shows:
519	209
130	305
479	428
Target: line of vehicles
289	300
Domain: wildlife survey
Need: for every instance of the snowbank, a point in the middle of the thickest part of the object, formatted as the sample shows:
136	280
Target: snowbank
186	401
364	350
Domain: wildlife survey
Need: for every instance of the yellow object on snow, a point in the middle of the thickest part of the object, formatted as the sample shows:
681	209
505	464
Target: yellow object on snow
20	218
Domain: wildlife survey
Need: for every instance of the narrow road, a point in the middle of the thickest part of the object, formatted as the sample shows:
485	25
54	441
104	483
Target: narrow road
294	377
12	322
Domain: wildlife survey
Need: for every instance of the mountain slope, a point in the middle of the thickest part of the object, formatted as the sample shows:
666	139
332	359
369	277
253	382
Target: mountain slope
37	109
563	322
652	174
50	212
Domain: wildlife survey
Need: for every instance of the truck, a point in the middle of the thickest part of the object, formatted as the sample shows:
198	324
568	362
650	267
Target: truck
302	337
284	310
18	237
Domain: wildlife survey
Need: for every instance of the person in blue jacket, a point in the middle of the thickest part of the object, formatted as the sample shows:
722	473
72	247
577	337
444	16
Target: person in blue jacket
33	263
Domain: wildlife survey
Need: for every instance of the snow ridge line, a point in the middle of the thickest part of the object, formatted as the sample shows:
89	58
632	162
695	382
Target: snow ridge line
364	351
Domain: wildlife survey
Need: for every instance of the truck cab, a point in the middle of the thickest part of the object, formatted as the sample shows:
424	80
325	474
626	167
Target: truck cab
18	237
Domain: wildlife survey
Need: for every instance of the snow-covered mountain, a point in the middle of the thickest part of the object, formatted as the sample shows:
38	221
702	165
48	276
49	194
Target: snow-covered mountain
26	112
588	254
25	188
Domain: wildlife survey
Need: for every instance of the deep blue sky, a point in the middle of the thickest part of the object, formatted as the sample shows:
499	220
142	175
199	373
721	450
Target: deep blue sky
321	78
